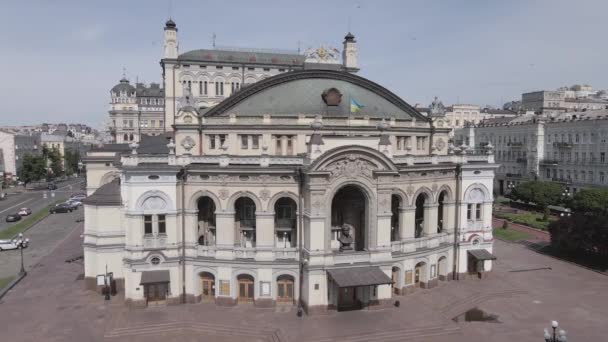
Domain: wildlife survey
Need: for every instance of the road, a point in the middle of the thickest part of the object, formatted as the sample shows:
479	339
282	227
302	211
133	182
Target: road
34	199
44	237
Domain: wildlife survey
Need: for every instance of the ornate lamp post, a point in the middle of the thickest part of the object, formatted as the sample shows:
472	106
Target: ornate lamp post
557	336
21	244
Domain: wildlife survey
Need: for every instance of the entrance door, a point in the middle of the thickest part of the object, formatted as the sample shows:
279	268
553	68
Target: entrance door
285	290
208	293
347	299
245	289
156	293
394	278
417	275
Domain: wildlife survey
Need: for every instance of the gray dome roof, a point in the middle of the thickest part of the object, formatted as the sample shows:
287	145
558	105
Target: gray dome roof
297	92
170	24
124	86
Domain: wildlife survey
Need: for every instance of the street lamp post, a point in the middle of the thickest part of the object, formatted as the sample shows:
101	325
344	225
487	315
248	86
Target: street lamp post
557	336
21	244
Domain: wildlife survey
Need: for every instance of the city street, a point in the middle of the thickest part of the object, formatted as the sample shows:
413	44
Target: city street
44	237
34	199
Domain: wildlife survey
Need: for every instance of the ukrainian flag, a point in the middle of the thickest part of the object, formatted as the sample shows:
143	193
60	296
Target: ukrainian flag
355	106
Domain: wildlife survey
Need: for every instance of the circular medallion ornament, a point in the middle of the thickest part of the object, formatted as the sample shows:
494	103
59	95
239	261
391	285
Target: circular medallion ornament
440	144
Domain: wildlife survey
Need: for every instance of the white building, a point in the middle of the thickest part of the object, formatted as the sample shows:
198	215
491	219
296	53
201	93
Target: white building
281	192
569	148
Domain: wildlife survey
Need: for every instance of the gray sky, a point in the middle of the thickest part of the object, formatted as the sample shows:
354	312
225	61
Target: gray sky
60	58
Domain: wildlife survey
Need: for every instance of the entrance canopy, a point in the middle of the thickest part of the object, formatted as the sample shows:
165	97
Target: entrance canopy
154	277
359	276
481	254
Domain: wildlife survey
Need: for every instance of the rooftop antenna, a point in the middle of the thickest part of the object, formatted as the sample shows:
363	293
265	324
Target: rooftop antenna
213	38
124	73
170	8
299	43
348	24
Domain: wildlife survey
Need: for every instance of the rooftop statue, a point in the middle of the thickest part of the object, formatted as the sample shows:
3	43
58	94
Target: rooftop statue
437	108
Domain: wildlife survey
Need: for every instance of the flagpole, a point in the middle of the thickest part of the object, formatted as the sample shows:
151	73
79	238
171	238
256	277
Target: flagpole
350	107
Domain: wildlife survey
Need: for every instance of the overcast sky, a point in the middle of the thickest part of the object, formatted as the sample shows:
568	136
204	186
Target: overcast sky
60	58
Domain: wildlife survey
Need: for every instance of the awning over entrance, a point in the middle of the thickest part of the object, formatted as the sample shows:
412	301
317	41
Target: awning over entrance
481	254
359	276
154	277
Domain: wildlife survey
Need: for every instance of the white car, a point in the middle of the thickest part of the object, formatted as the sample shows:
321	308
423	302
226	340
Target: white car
25	211
11	244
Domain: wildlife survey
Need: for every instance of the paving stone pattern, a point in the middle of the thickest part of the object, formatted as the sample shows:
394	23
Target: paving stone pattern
50	304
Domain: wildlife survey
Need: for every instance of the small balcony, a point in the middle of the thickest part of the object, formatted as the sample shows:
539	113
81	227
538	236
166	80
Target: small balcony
515	144
155	241
521	160
549	162
514	175
562	145
561	180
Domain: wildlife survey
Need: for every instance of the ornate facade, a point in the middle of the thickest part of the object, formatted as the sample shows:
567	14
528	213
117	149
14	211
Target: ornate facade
283	194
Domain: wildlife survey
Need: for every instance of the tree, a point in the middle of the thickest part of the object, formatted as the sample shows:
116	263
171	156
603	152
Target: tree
582	234
593	201
542	194
33	168
72	158
55	161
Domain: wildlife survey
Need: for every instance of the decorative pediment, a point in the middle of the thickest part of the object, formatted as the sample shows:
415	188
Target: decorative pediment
351	166
154	203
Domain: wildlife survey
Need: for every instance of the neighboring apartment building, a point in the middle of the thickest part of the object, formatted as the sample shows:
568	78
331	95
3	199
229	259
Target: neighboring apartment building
14	147
285	192
203	78
462	115
575	98
569	148
136	110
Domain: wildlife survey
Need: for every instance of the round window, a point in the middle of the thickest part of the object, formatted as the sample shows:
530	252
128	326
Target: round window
155	261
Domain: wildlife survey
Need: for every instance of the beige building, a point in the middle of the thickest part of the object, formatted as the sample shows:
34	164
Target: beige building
569	148
281	194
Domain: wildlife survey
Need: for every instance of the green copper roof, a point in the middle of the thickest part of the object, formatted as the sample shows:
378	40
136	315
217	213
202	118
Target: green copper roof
299	92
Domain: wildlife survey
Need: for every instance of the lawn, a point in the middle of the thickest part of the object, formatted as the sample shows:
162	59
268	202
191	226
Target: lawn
510	234
5	281
24	224
530	219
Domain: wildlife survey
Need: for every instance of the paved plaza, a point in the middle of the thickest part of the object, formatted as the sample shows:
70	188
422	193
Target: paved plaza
525	291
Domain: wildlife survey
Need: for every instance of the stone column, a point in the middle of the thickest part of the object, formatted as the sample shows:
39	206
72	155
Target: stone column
430	219
283	145
225	238
407	222
449	216
486	214
264	229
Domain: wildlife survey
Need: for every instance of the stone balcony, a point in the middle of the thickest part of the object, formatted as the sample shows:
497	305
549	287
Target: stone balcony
277	253
424	242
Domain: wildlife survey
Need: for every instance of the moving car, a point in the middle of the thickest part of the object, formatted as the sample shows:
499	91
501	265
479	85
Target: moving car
11	244
25	211
73	204
13	218
78	197
60	208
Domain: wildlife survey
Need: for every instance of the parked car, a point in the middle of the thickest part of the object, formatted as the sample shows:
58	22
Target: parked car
13	218
60	208
52	186
73	204
25	211
78	197
11	244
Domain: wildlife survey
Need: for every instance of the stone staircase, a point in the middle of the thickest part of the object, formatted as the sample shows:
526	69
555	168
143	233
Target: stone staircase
249	333
462	305
401	334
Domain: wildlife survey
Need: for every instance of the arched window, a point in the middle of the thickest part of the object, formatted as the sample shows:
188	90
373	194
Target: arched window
245	221
285	222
